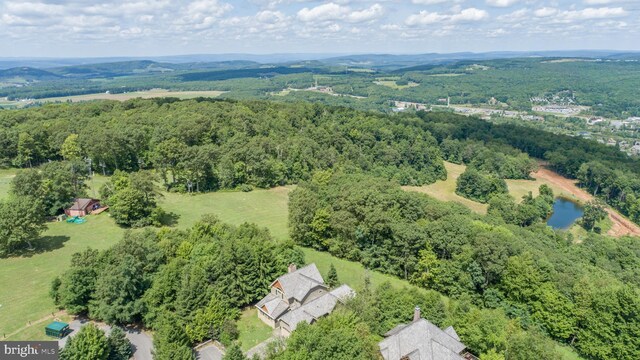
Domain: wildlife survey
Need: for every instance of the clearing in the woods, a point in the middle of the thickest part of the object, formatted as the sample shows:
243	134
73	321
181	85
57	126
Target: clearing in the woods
446	191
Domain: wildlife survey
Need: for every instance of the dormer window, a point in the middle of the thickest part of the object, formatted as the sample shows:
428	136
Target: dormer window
279	292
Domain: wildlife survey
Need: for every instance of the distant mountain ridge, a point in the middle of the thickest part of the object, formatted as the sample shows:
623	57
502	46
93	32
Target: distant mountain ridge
27	74
374	60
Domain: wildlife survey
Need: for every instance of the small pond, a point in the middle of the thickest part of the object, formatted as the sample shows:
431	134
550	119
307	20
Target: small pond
565	213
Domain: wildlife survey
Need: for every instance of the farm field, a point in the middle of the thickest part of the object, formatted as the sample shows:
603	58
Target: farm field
149	94
153	93
393	85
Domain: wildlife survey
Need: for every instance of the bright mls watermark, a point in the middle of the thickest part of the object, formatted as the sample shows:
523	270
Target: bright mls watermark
29	350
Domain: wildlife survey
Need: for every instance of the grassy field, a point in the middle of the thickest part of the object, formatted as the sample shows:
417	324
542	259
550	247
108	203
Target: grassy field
446	190
5	181
266	208
393	85
149	94
34	271
349	272
25	280
251	329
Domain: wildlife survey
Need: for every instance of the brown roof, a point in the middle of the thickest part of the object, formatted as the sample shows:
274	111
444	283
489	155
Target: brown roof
81	204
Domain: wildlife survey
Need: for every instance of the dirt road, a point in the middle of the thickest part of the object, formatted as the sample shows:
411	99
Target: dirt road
621	225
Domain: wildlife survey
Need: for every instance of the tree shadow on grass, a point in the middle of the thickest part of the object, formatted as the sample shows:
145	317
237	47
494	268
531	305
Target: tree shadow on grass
42	245
169	219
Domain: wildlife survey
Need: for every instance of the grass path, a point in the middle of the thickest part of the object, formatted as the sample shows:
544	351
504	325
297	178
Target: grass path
6	175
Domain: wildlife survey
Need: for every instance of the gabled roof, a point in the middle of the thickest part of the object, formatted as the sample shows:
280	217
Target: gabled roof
297	284
319	307
273	305
81	204
452	332
421	340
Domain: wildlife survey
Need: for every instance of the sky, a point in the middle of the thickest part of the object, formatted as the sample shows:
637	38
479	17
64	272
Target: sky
96	28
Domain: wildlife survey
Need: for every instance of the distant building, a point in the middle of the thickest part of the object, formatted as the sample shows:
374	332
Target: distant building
300	295
422	340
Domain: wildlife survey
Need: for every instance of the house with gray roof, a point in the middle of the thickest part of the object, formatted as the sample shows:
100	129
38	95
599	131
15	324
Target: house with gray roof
422	340
300	295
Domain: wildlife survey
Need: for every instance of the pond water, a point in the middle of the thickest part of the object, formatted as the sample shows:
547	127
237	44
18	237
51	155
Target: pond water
565	213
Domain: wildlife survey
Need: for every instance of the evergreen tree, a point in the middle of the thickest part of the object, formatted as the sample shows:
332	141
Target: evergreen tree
234	353
119	345
332	277
170	341
89	344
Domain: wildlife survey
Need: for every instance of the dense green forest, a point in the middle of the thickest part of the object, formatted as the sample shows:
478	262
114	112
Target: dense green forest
221	144
583	294
228	144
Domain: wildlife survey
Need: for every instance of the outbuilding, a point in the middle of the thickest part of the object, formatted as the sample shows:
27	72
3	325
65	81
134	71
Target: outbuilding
82	207
57	329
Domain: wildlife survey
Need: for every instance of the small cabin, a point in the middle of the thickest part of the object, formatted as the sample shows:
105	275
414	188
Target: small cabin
57	329
82	207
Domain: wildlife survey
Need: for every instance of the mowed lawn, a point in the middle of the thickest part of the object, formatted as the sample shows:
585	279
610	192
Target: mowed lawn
266	208
351	273
25	280
252	331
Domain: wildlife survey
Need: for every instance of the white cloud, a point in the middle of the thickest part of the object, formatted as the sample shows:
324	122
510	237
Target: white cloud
545	12
593	13
374	12
330	11
514	16
501	3
202	14
333	12
428	2
33	9
601	2
204	8
470	14
426	18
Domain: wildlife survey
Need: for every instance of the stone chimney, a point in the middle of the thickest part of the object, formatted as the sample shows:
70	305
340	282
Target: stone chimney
416	314
292	267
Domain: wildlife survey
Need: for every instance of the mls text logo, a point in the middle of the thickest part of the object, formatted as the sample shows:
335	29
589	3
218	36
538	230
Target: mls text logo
29	350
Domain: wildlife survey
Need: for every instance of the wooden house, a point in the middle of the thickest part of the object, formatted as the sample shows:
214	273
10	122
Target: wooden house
82	207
